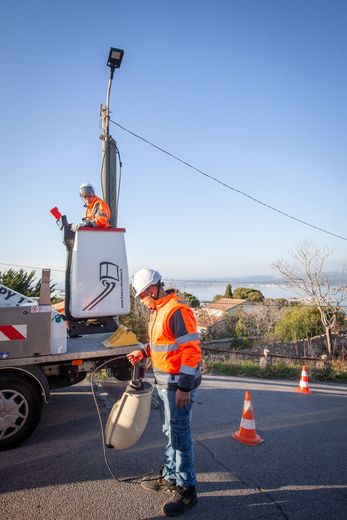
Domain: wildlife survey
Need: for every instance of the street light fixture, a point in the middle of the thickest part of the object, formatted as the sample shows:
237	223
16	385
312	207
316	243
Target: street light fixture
109	145
115	58
114	61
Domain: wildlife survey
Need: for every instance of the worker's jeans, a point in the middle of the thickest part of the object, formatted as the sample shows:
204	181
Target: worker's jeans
179	452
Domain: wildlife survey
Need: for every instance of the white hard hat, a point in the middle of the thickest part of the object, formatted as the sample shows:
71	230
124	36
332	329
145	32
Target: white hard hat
143	279
86	189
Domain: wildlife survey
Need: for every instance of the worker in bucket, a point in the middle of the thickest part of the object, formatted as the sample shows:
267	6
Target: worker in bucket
176	355
97	211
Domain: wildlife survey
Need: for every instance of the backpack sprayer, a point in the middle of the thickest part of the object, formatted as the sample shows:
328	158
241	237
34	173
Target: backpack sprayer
129	415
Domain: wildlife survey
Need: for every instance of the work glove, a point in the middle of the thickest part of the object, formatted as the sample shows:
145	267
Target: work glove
87	223
135	356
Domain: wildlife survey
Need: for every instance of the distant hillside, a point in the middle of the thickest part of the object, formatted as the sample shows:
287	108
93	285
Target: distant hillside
236	279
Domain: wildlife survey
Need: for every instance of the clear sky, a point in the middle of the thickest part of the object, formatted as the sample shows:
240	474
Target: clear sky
253	92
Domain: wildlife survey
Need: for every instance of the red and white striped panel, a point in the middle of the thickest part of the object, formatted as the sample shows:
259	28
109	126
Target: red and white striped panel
13	332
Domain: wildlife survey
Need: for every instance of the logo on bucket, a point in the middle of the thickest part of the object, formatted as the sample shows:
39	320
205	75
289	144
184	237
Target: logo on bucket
108	276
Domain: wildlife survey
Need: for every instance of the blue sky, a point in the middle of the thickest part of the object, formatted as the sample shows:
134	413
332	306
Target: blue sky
251	92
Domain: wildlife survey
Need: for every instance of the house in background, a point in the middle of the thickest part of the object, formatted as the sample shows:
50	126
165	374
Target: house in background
212	315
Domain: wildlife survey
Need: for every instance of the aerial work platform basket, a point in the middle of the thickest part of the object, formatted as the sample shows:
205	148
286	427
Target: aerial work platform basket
97	279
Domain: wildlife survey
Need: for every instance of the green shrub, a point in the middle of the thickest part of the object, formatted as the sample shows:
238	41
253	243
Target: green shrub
299	323
190	299
240	343
251	295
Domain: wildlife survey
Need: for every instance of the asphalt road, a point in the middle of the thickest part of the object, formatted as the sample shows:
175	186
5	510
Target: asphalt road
299	472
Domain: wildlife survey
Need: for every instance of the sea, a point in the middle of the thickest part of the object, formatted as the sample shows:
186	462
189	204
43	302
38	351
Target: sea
206	290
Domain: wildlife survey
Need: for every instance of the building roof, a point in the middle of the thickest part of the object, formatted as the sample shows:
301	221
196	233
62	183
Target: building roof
224	304
212	313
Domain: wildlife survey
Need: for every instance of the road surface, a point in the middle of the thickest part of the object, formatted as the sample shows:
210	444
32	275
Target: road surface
299	472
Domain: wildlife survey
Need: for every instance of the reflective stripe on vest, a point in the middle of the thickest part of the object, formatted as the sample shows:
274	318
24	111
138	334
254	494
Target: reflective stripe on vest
189	370
169	347
164	379
186	338
99	213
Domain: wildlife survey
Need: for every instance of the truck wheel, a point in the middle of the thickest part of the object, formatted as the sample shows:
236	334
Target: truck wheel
20	409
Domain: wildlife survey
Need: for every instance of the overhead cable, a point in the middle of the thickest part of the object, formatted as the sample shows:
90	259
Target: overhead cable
31	267
227	185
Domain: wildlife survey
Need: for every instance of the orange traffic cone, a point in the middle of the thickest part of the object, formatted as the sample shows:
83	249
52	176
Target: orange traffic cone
247	433
303	385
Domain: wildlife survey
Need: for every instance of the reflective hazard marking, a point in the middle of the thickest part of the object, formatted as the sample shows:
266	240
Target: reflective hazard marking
13	332
248	424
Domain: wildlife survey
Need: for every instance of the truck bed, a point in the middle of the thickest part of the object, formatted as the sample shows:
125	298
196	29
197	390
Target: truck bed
85	347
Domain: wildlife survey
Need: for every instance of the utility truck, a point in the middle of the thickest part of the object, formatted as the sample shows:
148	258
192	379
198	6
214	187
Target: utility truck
41	349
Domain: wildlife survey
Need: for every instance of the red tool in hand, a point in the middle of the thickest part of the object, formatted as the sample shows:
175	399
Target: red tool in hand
56	213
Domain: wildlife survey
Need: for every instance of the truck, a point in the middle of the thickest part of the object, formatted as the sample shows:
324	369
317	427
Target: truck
42	349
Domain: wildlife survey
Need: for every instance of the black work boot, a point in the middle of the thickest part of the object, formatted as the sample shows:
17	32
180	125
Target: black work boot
159	483
184	498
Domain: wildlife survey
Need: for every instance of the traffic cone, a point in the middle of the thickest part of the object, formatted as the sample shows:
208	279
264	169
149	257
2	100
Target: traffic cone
247	433
303	385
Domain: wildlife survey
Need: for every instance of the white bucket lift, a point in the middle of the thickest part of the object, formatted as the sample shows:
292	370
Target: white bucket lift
98	277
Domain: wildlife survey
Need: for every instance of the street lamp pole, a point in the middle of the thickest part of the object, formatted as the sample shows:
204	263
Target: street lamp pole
109	145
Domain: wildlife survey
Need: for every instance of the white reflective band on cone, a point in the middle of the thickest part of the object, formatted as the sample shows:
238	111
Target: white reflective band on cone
248	424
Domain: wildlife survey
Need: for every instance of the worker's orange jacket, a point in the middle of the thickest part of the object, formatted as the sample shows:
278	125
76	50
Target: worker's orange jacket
98	213
174	345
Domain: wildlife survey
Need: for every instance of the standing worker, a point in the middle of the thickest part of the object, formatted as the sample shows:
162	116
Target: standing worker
175	352
97	211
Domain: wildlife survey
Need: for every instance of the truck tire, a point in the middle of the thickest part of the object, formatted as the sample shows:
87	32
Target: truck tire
20	409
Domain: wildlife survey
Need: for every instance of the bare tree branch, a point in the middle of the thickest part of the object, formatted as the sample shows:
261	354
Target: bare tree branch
306	273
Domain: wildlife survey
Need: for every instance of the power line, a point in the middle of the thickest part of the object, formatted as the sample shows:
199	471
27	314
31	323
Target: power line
31	267
227	185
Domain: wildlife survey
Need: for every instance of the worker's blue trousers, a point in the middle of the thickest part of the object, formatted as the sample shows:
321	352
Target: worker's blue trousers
179	452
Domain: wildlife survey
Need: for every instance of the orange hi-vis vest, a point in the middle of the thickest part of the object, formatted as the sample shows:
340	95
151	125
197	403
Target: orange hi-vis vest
174	344
98	213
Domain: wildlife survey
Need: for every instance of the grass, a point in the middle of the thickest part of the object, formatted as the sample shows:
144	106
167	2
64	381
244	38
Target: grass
279	370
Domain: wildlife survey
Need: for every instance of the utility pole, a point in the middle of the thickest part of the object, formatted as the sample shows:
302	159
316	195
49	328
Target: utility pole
109	145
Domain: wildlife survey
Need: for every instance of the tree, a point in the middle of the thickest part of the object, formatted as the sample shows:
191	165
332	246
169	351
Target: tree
137	319
228	291
306	274
259	321
299	323
278	302
190	299
23	282
251	295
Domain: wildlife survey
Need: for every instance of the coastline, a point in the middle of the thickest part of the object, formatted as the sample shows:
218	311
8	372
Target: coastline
206	290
